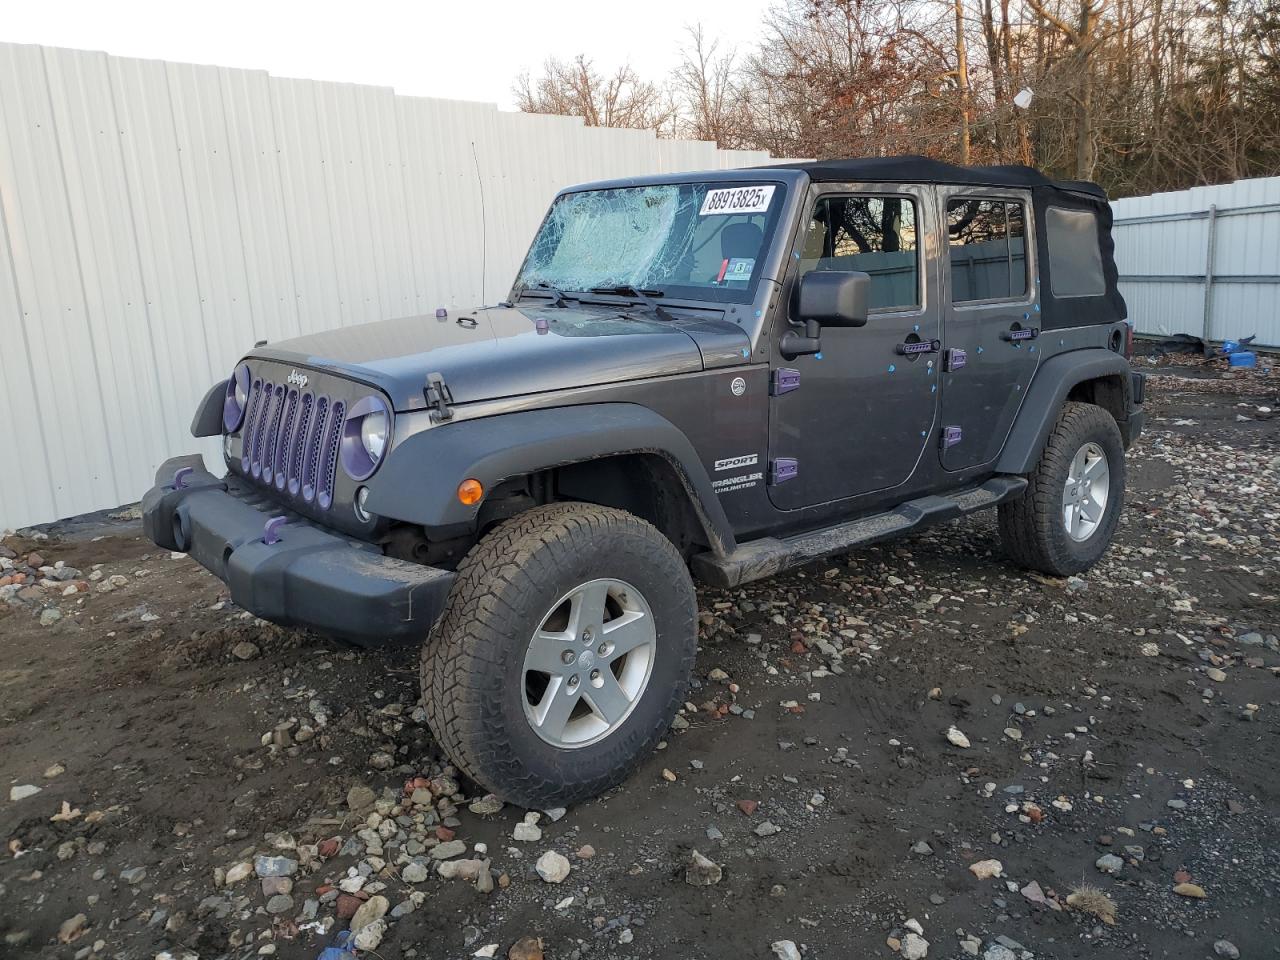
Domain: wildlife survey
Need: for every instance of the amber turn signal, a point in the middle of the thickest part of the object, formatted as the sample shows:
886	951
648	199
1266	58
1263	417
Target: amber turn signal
470	492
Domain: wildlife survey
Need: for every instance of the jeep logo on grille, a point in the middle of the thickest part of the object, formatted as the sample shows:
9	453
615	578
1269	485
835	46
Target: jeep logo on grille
297	379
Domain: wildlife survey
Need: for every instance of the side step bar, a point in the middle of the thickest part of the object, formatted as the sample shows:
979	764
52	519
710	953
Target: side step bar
762	558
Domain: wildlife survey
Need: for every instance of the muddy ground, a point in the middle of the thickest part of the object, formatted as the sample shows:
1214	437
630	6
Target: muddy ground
1132	712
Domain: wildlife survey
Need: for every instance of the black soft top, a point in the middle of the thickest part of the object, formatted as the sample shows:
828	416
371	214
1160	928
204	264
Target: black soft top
916	169
1057	312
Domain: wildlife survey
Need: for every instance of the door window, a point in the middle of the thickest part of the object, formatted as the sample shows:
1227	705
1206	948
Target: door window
872	234
988	249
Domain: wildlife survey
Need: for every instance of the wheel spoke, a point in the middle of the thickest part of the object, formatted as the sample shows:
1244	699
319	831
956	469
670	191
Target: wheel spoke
1078	463
545	651
1092	508
586	609
1096	470
609	701
557	704
625	633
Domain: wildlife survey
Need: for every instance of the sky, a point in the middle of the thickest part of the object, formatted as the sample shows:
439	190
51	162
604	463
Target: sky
462	50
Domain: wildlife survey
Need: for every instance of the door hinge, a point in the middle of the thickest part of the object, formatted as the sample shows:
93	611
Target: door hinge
782	469
951	436
438	397
956	358
785	379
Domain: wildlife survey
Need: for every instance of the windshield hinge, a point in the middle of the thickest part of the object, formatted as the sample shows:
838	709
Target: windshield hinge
438	397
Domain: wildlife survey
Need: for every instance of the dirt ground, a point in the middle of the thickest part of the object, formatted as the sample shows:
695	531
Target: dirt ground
1131	712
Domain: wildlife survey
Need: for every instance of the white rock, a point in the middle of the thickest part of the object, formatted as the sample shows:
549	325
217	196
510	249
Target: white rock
22	791
785	950
370	936
914	947
526	833
956	738
986	869
552	867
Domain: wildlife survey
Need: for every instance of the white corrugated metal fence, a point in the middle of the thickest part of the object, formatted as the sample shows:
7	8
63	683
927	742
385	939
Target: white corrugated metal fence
156	219
1204	262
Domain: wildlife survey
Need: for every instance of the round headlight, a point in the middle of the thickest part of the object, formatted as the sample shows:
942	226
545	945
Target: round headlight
373	434
366	434
236	399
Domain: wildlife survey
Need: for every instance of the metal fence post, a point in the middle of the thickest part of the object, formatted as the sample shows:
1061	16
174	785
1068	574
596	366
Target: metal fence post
1211	240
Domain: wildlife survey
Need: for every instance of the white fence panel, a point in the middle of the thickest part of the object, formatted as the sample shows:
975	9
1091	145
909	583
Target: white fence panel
1204	262
157	219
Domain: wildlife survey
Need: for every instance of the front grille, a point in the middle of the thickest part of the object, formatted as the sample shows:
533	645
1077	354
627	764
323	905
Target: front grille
291	441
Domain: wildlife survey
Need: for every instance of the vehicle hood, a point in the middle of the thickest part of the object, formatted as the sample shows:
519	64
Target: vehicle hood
495	352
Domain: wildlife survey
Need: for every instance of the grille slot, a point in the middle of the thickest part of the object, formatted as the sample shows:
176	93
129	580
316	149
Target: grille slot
314	443
273	434
284	449
298	455
324	494
250	425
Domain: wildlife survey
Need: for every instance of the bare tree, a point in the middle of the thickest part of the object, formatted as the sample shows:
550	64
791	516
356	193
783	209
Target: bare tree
576	88
706	87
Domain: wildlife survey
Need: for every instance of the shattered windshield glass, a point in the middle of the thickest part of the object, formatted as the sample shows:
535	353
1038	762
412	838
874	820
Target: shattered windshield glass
700	241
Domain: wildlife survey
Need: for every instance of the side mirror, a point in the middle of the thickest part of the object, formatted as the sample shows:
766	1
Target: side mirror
835	298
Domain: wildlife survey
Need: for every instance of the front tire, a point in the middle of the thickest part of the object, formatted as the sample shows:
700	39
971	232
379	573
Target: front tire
1065	519
564	651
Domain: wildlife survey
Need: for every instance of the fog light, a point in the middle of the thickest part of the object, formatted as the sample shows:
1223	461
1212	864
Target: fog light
470	492
226	446
362	495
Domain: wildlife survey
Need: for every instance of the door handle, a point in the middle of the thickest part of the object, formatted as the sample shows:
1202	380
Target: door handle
1015	334
913	348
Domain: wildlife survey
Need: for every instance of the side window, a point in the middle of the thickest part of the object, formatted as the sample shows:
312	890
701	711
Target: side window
1075	262
988	249
875	235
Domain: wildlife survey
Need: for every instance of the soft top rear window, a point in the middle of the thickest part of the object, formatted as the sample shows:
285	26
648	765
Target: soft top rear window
1075	259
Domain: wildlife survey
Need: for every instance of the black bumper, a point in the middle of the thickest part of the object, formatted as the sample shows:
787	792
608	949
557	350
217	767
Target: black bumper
308	577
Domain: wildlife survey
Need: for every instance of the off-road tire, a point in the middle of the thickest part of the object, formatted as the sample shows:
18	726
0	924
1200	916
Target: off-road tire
1032	527
472	663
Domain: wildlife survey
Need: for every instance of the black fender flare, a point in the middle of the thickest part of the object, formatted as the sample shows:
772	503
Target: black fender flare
208	419
1046	395
418	482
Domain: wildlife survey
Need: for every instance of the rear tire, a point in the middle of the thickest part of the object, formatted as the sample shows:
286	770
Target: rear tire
565	649
1065	519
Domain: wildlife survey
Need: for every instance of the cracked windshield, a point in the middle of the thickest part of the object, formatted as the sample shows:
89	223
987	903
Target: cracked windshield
700	241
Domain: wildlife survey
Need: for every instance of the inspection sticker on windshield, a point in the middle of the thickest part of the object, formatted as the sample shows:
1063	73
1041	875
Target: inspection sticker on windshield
737	200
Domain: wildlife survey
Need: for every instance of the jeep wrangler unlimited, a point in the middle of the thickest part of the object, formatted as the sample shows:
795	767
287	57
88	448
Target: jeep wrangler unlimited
725	373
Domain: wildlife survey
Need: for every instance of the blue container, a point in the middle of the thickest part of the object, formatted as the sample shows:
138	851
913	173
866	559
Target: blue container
1245	358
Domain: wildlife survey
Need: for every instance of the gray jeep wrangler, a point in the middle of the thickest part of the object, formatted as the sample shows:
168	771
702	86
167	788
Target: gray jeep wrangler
721	374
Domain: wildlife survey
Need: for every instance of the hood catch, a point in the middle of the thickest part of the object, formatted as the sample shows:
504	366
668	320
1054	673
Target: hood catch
438	397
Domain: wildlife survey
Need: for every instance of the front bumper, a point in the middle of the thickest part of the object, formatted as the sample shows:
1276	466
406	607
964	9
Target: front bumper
297	574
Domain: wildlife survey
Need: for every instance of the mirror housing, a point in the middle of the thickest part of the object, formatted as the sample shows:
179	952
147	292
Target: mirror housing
835	298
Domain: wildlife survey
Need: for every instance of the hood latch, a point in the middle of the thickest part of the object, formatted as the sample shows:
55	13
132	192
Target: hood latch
438	397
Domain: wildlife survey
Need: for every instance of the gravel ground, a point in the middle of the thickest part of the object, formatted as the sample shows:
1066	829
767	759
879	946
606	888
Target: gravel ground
913	750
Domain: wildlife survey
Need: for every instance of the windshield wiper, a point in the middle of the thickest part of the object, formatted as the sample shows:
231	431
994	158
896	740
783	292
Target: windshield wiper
644	295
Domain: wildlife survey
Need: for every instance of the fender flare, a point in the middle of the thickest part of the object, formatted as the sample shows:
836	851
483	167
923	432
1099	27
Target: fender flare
208	419
1045	397
419	480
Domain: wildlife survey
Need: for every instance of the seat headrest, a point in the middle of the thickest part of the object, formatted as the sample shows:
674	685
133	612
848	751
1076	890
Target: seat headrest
740	240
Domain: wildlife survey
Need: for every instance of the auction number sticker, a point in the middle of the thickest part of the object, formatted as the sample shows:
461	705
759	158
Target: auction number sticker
737	200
